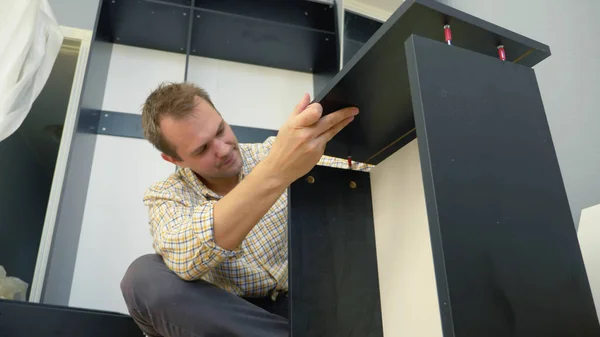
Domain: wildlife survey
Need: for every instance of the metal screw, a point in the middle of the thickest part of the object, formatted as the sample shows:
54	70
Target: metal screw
103	129
184	13
326	39
352	184
180	48
310	179
105	115
306	13
198	16
118	38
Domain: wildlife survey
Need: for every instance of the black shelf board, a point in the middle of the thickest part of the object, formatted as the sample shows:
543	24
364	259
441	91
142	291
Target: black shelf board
375	79
16	320
358	30
159	25
294	35
122	124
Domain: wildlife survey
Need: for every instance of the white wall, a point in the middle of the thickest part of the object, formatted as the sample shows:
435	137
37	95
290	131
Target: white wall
407	284
569	80
589	241
249	95
115	229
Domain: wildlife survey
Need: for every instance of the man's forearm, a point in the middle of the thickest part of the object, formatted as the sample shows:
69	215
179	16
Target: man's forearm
241	209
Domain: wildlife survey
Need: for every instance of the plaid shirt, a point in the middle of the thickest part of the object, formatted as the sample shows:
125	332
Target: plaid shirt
181	223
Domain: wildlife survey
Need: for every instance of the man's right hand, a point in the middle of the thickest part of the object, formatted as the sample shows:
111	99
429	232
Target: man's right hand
298	147
301	141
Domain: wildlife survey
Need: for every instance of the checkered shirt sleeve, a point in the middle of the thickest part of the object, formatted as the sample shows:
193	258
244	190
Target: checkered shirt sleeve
181	225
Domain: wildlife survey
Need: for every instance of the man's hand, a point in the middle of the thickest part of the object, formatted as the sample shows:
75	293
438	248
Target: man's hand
299	146
301	141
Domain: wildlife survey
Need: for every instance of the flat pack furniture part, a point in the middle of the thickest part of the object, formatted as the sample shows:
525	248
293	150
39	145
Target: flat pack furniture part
52	320
463	227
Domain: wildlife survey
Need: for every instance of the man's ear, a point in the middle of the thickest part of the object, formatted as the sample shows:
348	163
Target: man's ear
168	158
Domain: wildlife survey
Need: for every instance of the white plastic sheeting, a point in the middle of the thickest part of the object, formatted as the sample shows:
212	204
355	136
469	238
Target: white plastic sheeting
30	39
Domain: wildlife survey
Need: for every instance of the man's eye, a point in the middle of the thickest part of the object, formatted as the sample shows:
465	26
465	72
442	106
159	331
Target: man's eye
220	132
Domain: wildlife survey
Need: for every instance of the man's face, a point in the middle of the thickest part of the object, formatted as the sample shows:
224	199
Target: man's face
204	143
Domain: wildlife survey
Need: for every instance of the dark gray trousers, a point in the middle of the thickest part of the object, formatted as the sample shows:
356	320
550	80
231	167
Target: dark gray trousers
164	305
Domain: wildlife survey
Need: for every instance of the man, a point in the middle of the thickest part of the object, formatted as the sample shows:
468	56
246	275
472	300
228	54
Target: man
219	223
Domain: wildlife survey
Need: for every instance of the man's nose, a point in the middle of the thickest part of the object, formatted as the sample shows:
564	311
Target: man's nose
222	149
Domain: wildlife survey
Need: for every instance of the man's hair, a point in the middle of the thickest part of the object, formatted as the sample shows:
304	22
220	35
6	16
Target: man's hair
174	100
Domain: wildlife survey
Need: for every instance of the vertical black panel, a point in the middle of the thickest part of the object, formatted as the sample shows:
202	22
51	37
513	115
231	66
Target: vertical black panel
334	287
505	246
328	58
61	263
358	30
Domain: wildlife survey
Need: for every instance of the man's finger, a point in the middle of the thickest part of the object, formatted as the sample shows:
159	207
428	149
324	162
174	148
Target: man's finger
304	102
330	133
310	115
334	118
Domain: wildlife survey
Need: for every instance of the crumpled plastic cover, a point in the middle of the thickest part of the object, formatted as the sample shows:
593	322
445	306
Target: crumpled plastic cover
12	288
30	40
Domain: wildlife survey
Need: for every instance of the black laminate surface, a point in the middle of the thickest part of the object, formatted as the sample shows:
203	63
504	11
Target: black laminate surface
376	80
505	246
334	287
294	35
21	319
129	125
358	29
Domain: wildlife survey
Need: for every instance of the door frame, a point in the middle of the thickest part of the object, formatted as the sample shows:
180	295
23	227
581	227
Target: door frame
85	38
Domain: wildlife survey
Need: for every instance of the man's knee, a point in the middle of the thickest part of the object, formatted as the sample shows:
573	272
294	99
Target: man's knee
140	281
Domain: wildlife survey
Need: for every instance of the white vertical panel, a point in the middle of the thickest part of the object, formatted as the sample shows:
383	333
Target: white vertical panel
249	95
589	241
115	224
409	301
134	72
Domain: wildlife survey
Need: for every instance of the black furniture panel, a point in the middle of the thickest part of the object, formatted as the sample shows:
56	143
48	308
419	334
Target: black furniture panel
21	319
376	78
146	24
506	252
242	38
63	253
296	35
358	29
334	287
130	125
